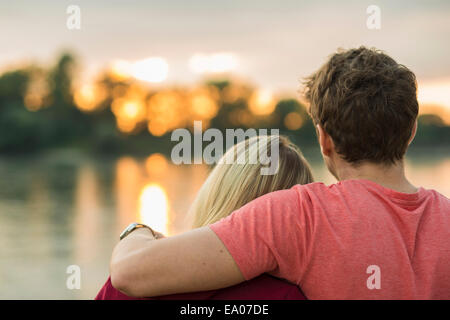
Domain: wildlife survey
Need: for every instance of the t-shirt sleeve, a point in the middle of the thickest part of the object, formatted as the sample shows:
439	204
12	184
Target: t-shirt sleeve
267	236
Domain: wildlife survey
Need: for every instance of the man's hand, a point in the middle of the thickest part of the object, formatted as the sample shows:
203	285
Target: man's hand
193	261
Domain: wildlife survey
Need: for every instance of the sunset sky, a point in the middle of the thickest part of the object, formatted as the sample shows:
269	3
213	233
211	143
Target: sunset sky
271	43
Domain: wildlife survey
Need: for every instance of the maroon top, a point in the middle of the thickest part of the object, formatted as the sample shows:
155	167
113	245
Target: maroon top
264	287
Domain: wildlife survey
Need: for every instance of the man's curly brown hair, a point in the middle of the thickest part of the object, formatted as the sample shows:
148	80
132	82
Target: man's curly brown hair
366	102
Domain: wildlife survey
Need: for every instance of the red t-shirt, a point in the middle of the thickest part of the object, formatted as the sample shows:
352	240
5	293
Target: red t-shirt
261	288
351	240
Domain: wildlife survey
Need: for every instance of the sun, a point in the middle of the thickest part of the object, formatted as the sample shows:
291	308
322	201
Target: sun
154	69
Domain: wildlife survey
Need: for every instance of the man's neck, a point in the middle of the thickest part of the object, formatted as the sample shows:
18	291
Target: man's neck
388	176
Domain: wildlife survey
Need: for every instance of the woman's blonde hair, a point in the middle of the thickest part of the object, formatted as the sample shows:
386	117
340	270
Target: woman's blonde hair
230	186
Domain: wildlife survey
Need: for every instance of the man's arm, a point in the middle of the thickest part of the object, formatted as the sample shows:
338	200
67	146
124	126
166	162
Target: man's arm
196	260
265	235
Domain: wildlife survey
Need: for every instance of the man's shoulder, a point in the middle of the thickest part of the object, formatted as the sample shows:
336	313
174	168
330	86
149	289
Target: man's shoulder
356	192
300	193
317	188
310	197
440	198
438	195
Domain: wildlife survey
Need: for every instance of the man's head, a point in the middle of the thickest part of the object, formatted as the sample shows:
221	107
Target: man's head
364	106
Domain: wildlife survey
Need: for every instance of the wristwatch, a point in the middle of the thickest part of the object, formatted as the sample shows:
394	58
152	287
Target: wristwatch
133	226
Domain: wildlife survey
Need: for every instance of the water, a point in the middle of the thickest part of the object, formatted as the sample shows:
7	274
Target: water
65	208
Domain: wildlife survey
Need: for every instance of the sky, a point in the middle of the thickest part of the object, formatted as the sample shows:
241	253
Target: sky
274	43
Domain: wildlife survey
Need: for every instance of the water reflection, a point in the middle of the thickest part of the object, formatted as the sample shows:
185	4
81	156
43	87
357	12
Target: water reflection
127	189
70	210
86	221
156	164
88	250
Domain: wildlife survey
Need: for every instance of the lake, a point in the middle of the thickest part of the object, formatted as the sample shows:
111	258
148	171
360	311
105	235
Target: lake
65	208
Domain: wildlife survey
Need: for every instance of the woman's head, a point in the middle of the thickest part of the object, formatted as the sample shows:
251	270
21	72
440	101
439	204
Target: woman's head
230	186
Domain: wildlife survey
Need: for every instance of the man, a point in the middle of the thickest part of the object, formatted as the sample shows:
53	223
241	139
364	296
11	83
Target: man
372	235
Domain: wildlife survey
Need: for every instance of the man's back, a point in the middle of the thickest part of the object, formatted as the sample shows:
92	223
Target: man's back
401	241
351	240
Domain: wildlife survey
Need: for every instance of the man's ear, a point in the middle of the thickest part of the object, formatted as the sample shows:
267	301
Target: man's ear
413	133
325	142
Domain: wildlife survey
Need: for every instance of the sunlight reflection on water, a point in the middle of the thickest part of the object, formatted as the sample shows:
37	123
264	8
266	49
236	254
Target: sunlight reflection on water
154	208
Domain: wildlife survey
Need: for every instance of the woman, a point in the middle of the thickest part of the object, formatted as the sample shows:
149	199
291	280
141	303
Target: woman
229	187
